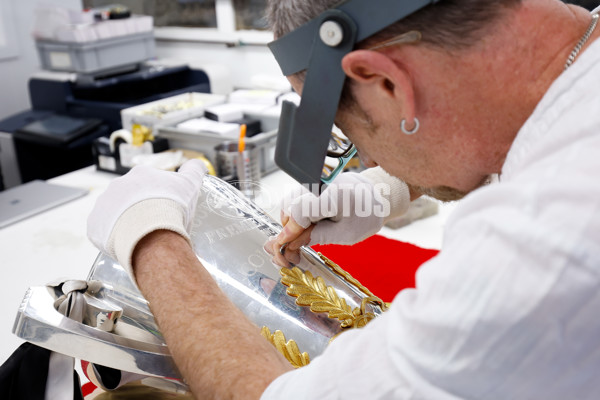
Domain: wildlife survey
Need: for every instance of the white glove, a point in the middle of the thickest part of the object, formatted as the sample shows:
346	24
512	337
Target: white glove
350	210
142	201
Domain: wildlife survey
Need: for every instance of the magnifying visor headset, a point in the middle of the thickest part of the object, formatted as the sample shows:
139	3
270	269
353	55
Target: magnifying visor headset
304	139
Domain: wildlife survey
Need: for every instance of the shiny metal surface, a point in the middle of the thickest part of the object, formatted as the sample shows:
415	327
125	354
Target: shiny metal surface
40	323
228	235
101	315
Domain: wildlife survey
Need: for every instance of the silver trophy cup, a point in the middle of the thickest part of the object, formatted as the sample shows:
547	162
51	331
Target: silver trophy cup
300	309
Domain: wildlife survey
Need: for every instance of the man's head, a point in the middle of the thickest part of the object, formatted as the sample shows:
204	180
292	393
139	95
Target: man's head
450	24
471	80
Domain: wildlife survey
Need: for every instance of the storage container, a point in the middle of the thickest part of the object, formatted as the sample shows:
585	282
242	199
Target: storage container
170	110
206	142
105	55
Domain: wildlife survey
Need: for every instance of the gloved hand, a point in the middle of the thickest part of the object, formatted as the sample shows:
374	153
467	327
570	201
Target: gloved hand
142	201
351	209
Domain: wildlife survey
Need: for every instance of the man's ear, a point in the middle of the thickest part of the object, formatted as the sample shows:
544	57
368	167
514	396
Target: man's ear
385	75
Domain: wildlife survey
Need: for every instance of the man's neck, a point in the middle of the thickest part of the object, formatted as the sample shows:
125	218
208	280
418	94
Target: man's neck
514	66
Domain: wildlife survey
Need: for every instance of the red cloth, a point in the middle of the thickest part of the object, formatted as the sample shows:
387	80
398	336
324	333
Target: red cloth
385	266
88	389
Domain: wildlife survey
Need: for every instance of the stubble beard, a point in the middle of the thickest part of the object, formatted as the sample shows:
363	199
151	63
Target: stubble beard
446	193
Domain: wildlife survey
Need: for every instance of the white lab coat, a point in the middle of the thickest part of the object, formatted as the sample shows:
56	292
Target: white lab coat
510	308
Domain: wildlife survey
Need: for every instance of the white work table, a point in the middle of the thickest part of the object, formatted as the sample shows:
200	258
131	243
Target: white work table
53	245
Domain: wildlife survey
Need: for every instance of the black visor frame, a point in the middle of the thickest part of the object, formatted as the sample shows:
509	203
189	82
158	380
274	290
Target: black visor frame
304	130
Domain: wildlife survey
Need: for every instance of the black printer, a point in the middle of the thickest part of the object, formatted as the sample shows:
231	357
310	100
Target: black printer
69	111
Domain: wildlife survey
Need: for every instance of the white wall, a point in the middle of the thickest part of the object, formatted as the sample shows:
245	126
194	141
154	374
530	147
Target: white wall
239	63
15	72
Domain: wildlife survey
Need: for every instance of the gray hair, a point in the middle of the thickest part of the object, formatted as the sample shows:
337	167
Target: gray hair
284	16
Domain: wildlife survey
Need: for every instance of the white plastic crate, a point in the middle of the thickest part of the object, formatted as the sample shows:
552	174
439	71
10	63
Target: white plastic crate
170	110
103	55
206	142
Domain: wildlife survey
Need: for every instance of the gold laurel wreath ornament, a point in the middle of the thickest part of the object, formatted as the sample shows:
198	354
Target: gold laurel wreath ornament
312	292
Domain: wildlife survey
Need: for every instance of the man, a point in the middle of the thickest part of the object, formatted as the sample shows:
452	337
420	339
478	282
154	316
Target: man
508	308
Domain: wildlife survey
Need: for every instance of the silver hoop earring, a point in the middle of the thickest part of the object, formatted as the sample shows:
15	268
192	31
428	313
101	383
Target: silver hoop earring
413	130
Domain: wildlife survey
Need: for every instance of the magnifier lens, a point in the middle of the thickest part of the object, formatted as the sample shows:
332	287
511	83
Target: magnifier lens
336	163
338	146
